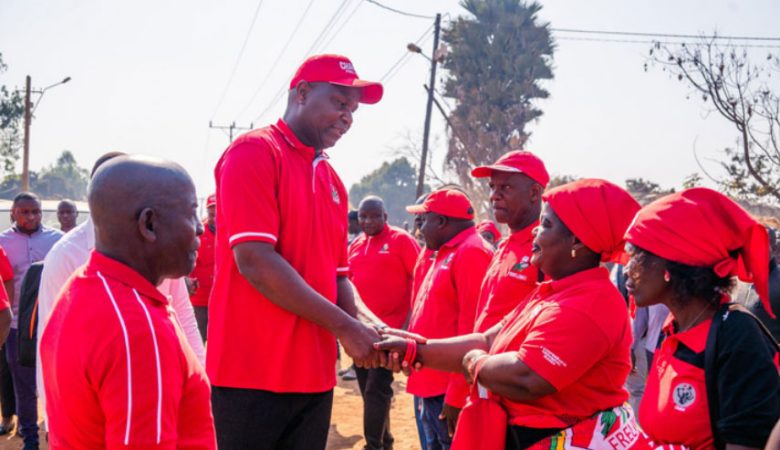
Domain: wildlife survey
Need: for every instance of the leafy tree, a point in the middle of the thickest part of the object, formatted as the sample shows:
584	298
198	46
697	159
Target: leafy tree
63	179
645	191
11	113
738	85
499	57
395	182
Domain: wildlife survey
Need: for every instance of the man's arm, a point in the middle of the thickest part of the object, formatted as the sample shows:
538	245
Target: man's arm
272	276
349	300
5	325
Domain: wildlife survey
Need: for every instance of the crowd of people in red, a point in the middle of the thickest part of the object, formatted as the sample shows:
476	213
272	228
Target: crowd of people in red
514	341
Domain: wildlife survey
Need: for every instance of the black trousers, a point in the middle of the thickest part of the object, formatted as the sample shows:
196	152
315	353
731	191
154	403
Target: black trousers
376	387
261	420
7	396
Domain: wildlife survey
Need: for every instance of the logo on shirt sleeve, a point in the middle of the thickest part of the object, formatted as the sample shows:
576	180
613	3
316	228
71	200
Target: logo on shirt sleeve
385	249
683	395
335	194
552	358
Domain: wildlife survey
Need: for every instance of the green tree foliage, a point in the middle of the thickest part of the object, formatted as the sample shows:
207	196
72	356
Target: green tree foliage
11	113
63	179
500	56
395	182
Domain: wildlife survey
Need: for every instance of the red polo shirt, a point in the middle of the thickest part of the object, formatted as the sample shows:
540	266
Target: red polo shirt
575	333
204	267
509	279
274	189
381	267
425	260
119	371
6	273
445	306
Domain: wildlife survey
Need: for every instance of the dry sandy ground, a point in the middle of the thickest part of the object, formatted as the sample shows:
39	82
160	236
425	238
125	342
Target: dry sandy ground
346	430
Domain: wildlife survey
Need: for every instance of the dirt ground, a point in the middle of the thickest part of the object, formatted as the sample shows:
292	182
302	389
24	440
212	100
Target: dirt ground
346	429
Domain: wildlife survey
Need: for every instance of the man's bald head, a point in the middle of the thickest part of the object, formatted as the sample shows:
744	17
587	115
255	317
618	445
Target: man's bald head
145	215
372	215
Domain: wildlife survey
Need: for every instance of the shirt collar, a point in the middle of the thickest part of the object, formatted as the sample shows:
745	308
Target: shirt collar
460	237
123	274
694	338
38	231
293	141
553	286
524	235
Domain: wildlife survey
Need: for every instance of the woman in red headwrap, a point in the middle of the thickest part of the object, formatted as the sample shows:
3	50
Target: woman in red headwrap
714	381
489	231
551	374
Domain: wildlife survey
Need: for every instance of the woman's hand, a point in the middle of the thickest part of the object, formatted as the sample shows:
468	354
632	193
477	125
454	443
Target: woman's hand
470	363
395	348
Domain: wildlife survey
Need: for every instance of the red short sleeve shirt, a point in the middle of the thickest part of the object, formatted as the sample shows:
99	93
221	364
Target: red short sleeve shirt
445	306
381	267
509	279
204	267
272	188
576	334
119	371
6	273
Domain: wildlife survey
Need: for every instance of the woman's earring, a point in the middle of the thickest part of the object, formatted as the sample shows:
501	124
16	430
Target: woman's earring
667	277
573	253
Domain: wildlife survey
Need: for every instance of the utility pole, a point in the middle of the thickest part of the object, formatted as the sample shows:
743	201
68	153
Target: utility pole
429	106
27	120
231	127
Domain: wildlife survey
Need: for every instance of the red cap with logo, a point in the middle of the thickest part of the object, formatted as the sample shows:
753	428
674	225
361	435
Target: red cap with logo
445	202
516	161
211	200
338	70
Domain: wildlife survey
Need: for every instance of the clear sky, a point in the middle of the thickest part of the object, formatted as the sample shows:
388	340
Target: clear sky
148	75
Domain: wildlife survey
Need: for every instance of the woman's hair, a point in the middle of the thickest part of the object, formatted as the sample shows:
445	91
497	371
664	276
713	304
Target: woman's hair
689	281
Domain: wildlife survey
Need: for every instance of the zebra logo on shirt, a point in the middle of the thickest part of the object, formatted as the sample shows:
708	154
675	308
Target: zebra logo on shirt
684	395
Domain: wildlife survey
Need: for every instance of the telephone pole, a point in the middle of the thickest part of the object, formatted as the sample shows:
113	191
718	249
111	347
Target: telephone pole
231	128
427	130
26	151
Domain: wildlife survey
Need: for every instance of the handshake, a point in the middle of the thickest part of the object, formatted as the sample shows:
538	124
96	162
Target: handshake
375	346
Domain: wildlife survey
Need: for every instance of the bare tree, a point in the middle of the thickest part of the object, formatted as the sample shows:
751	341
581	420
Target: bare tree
729	78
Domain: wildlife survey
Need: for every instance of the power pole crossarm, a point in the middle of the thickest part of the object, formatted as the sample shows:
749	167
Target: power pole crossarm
231	128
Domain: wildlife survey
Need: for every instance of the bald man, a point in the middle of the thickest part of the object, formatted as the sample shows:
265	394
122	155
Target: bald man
67	214
118	368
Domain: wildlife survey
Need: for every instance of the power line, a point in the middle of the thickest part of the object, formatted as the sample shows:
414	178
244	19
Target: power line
278	58
651	42
402	60
398	11
238	59
349	17
664	35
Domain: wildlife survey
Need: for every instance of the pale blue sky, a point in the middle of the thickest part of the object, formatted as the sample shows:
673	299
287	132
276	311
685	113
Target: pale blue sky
147	76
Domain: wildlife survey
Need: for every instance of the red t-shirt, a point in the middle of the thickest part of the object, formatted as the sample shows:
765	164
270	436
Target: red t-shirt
425	260
509	279
119	371
381	267
274	189
576	334
445	306
6	274
204	267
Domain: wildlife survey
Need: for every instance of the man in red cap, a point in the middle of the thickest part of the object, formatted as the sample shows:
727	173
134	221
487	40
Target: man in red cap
202	277
517	181
281	295
445	306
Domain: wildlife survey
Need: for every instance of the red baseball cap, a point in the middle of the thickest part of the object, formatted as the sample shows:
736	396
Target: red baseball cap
211	200
516	161
445	202
338	70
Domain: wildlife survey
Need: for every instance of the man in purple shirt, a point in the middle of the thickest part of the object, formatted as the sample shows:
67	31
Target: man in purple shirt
26	242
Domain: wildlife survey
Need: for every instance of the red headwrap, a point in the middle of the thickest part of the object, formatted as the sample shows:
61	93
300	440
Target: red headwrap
703	228
490	227
597	212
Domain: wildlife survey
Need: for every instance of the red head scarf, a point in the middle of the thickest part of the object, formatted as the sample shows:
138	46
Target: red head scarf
703	228
490	227
597	212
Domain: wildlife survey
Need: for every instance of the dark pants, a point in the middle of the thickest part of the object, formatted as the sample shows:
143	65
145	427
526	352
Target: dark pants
7	398
263	420
24	390
202	318
376	387
434	429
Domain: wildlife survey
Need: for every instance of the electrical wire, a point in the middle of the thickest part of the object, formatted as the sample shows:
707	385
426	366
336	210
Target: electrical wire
341	27
402	60
398	11
664	35
238	59
276	60
651	42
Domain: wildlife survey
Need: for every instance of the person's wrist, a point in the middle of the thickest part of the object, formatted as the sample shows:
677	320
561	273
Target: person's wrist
472	360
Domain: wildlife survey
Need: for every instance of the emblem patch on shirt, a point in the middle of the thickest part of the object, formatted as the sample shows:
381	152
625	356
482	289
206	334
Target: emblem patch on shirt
385	249
552	358
684	395
447	261
335	194
519	267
